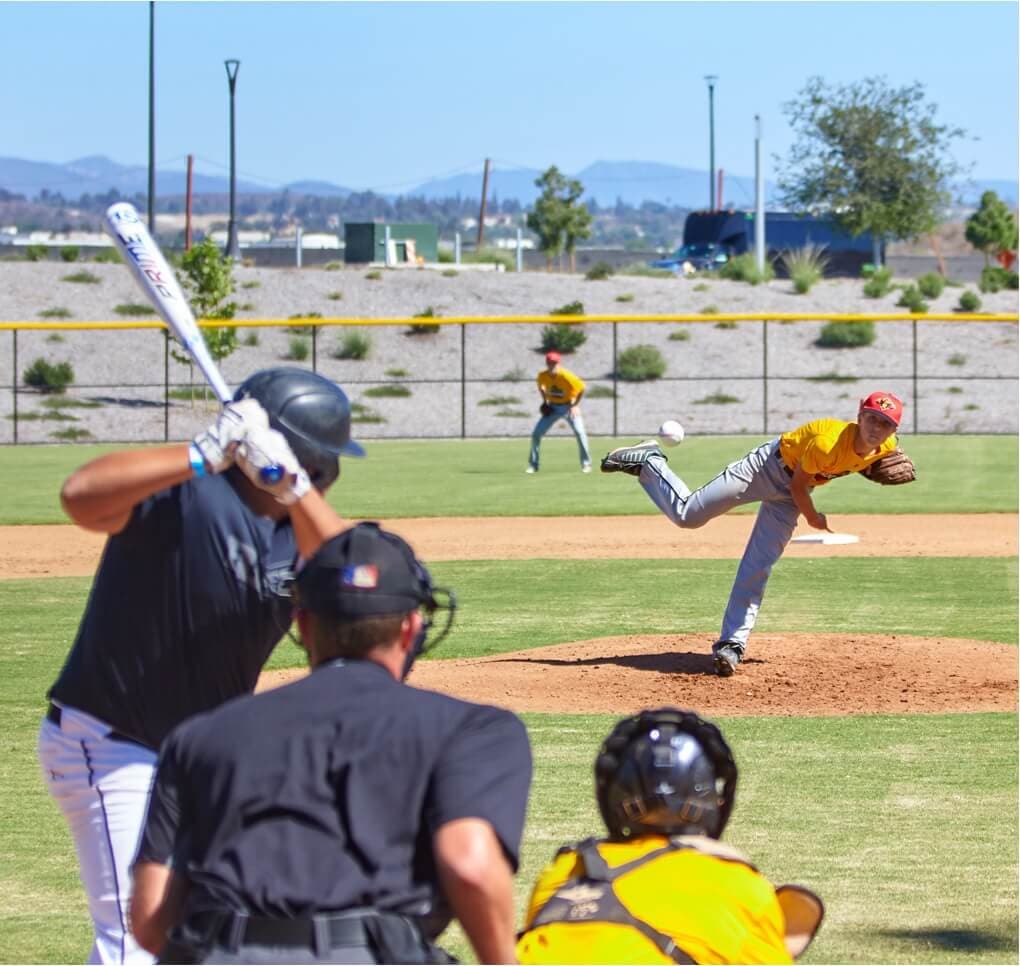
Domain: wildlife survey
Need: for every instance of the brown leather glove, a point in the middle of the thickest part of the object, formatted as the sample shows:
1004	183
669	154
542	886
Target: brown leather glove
545	409
893	469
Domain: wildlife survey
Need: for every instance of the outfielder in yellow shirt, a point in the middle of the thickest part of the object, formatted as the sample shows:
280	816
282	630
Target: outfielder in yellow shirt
561	399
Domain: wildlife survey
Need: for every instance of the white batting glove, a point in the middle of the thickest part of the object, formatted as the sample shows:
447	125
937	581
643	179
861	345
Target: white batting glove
264	452
218	443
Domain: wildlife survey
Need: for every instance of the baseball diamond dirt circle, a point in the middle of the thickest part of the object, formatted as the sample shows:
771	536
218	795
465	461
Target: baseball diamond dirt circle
784	674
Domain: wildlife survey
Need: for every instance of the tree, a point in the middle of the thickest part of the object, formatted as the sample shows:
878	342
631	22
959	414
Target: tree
557	218
872	156
992	228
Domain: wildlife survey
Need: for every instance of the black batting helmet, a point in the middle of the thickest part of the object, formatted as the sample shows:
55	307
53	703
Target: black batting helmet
313	414
665	772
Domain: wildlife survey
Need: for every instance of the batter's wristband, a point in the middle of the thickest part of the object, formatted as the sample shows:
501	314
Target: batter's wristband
197	460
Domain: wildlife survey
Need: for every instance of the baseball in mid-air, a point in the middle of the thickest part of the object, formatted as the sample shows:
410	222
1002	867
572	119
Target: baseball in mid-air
671	433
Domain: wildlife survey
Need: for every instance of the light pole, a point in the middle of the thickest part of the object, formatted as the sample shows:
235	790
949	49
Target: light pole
152	117
710	79
233	248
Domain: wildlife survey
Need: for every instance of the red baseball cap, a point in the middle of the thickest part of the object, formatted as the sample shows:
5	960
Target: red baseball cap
552	356
885	404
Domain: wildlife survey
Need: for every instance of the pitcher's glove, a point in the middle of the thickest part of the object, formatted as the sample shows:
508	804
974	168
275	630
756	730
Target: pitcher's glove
892	469
545	409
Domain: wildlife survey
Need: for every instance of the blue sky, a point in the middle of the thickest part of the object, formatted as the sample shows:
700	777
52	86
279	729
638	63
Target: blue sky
385	95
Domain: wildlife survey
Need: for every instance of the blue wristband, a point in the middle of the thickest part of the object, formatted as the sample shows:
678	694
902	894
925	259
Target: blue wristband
197	460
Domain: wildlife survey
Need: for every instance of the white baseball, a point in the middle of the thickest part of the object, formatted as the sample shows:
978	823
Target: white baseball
671	433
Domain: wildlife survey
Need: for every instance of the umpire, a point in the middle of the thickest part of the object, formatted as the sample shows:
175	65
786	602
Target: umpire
346	817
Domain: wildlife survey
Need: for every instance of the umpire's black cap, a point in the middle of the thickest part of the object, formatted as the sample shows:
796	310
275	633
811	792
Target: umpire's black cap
364	572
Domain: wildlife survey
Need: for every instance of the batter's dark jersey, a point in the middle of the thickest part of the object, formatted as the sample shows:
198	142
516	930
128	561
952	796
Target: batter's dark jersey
184	611
324	795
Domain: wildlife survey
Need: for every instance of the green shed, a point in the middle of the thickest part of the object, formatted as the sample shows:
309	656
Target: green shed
366	242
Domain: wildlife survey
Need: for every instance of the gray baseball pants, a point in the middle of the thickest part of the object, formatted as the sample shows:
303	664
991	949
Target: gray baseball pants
761	476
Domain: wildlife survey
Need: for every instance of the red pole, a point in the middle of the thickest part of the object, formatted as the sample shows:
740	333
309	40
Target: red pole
719	192
187	206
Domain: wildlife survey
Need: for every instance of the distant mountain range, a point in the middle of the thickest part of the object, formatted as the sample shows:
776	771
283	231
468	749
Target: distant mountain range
632	182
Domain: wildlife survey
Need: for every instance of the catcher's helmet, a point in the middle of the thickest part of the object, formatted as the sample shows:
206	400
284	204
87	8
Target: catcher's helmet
665	772
312	412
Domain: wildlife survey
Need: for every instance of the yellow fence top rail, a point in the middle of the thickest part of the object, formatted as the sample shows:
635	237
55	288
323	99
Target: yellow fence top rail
535	319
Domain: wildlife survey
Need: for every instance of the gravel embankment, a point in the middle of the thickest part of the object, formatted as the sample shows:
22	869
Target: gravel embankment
966	373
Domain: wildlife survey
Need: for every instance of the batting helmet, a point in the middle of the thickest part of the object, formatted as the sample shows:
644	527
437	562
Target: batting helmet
313	414
665	772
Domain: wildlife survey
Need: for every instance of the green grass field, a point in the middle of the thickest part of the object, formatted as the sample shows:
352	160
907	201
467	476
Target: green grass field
906	825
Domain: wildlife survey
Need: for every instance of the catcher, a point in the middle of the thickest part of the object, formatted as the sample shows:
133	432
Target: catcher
662	888
780	474
561	399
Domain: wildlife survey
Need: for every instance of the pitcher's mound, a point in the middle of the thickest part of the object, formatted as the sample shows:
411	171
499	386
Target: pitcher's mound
789	674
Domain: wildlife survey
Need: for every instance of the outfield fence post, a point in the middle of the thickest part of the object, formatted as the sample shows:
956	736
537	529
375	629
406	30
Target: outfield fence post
166	385
315	348
14	379
463	380
765	375
913	353
615	401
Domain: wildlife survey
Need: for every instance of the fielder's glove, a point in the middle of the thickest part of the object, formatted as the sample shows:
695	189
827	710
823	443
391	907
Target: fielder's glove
893	469
545	409
218	443
265	448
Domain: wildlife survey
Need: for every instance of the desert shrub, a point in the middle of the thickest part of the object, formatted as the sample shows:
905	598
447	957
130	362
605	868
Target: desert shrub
679	335
48	376
640	363
717	398
36	253
374	276
83	278
912	299
710	310
571	308
297	349
490	256
969	302
134	309
725	324
957	359
384	392
625	297
513	375
397	373
563	338
57	312
931	285
246	307
600	392
833	377
599	272
332	266
251	283
65	403
251	339
424	328
879	284
360	413
805	266
702	287
995	278
335	296
108	256
444	257
70	253
744	268
54	337
354	345
71	434
500	401
846	335
449	273
641	270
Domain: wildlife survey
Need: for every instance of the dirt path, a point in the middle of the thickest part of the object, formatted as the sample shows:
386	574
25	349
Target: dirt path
67	551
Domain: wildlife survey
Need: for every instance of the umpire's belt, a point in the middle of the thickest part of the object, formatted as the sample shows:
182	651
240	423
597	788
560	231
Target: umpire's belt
54	715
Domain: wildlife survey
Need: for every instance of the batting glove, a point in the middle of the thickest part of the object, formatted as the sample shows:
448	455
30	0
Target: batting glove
218	443
262	455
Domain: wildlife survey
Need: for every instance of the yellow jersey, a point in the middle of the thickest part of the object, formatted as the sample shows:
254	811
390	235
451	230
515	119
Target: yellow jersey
696	893
560	388
825	450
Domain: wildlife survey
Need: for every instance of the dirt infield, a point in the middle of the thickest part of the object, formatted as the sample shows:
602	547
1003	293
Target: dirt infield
785	674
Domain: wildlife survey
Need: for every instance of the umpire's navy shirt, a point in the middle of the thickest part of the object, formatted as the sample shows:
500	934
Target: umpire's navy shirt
184	611
324	795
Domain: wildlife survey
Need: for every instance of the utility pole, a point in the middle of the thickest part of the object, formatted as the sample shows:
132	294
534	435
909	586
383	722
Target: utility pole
481	213
187	205
710	79
152	117
233	246
759	200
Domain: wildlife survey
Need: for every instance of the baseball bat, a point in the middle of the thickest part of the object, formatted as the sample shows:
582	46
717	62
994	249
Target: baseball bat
157	280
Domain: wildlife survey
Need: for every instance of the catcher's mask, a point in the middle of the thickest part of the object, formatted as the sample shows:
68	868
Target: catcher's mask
665	772
368	572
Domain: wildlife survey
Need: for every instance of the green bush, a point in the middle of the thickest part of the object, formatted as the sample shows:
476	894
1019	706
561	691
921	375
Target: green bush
641	270
449	273
679	335
846	335
71	434
725	324
500	401
640	363
710	310
108	256
58	312
246	307
805	266
571	308
36	253
374	276
912	299
444	257
717	398
599	272
83	278
354	345
600	392
563	338
931	285
48	377
879	284
251	339
625	297
70	253
134	309
702	287
360	413
995	278
251	283
969	302
297	349
397	373
54	337
332	266
384	392
490	256
744	268
957	359
424	328
335	296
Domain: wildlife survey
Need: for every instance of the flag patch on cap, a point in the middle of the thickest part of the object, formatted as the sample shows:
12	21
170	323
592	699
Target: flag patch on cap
362	576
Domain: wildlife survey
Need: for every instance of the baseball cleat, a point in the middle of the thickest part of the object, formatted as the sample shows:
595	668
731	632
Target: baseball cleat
531	469
726	657
586	468
630	459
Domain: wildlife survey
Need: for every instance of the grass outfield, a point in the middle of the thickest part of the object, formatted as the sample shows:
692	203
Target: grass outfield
433	478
